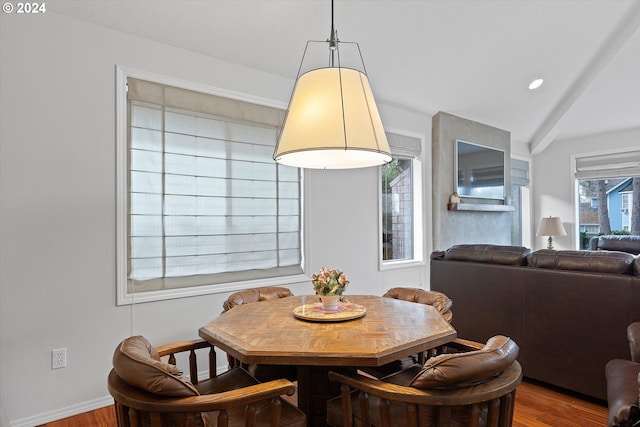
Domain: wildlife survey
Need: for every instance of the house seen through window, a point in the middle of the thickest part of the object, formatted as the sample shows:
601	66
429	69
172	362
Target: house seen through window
401	203
608	195
606	207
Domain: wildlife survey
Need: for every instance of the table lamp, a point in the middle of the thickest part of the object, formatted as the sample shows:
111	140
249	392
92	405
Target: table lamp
551	226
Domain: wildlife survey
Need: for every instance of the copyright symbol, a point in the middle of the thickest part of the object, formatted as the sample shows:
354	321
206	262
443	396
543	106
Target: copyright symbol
7	8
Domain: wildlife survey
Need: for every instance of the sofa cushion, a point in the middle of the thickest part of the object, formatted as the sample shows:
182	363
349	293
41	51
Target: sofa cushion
137	363
589	261
468	367
492	254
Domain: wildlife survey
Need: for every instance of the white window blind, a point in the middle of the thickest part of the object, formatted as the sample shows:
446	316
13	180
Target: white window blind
403	145
207	203
614	165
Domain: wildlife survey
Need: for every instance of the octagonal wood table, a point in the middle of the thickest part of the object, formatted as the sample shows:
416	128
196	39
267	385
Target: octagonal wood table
268	333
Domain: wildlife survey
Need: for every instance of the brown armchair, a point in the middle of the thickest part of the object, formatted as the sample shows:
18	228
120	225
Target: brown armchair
623	384
473	386
248	296
149	392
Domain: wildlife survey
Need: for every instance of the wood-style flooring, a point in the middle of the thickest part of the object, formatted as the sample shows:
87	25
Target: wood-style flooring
536	406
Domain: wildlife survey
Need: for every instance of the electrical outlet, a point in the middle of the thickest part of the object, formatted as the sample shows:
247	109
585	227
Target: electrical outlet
58	358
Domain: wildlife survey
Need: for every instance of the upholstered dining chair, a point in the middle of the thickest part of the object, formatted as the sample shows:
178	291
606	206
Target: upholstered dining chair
470	385
248	296
151	392
437	300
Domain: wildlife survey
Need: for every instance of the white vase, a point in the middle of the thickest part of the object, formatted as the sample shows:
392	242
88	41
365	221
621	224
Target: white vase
330	302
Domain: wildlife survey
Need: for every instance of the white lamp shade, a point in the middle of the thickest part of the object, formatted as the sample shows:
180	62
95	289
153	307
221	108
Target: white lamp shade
332	123
551	226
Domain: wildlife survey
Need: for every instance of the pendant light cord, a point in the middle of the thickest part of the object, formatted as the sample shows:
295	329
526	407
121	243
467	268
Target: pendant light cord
333	40
333	49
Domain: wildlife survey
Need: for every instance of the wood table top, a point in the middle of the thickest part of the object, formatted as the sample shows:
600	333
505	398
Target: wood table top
268	332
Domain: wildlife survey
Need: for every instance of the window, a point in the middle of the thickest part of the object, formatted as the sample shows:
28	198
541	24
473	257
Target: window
401	203
625	203
604	193
520	200
205	207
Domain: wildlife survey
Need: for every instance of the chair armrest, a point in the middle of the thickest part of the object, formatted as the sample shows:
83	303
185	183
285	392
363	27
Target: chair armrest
633	334
140	399
380	388
191	346
238	397
181	346
498	386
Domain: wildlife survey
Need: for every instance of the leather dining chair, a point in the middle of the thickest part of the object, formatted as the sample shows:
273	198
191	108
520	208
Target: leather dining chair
436	299
262	372
151	392
470	385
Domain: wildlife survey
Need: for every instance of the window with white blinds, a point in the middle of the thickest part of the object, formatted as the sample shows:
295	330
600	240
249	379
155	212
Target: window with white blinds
207	204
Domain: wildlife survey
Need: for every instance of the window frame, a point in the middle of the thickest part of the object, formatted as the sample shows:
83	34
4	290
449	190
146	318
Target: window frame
418	207
606	164
123	296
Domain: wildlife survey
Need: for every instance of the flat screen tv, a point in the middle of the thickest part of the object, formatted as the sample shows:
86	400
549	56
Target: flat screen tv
479	171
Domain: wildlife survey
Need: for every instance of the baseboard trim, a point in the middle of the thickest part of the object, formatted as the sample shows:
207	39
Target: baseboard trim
83	407
59	414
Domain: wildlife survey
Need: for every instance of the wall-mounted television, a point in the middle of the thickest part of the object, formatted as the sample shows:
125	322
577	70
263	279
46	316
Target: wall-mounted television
479	171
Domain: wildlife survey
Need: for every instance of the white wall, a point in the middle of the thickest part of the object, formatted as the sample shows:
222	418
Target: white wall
57	210
554	183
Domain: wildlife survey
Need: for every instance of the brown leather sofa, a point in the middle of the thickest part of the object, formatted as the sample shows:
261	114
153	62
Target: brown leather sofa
567	310
628	243
623	384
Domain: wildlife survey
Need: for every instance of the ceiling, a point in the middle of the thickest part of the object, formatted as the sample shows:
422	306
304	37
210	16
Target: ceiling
471	58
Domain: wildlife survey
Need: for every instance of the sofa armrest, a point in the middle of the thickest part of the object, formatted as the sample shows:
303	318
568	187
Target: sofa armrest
622	392
620	243
633	334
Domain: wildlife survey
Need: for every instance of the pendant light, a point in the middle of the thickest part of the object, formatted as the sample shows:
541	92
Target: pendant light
332	121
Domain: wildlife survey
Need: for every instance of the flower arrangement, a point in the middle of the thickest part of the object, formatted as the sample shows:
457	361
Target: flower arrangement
329	282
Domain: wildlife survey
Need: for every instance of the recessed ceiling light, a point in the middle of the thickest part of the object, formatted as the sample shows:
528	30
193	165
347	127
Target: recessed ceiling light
535	84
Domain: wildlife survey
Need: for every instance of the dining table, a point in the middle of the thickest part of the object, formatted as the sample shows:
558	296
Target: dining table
366	330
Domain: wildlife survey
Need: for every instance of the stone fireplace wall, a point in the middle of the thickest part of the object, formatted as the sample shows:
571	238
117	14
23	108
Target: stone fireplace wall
458	227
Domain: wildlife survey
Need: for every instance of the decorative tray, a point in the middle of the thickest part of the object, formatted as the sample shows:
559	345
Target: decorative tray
315	312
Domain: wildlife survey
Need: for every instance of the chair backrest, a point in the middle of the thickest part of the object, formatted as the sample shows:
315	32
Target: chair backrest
438	300
255	295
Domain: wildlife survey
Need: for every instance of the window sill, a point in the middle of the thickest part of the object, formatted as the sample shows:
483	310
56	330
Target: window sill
151	296
394	265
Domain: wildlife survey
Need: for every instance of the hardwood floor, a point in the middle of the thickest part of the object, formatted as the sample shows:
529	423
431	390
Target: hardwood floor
536	406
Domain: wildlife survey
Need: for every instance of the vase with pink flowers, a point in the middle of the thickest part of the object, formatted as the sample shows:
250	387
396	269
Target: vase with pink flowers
329	284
